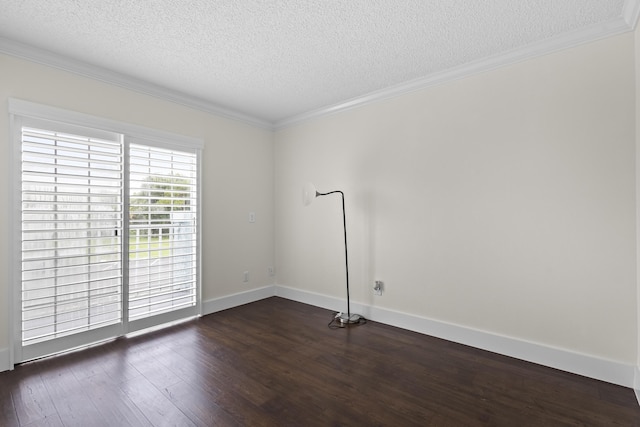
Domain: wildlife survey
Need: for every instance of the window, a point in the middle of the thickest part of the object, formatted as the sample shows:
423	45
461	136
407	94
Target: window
107	226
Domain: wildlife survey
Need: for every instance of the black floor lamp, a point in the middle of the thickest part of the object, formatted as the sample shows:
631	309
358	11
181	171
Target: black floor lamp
309	194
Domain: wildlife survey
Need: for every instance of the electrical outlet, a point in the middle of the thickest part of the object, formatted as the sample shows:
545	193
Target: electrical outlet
271	271
377	287
245	277
252	217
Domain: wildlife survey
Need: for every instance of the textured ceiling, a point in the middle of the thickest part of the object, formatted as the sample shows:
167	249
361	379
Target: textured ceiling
281	59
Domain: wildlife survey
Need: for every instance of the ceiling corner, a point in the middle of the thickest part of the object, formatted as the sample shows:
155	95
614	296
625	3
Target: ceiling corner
631	13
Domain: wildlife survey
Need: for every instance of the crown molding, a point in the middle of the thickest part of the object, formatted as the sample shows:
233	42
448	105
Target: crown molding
61	62
625	23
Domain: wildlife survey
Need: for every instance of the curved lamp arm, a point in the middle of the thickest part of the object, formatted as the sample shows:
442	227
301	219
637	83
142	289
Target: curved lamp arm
309	193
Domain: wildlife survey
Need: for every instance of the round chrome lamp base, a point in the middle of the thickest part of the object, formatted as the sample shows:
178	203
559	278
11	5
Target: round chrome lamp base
345	319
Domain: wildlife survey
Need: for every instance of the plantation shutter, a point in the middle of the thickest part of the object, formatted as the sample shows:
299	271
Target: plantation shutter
71	191
163	209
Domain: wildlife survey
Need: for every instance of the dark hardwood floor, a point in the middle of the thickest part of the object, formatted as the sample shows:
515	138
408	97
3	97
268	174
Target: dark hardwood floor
276	363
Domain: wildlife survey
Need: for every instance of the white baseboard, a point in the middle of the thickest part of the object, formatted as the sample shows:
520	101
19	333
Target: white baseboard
234	300
636	383
581	364
565	360
318	300
4	360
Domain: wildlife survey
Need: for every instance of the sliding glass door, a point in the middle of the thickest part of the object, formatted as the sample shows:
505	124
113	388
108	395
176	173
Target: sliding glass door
108	234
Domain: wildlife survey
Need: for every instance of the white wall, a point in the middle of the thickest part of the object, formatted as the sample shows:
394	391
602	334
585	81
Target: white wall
502	203
637	158
237	175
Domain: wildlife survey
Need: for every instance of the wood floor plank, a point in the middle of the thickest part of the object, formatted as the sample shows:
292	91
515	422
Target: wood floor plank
114	406
118	368
49	421
198	406
276	363
8	414
227	371
30	397
70	398
155	406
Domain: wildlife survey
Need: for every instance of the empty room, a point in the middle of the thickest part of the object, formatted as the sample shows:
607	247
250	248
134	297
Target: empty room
319	213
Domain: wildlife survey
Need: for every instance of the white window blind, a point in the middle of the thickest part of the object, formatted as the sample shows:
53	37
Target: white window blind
162	230
71	190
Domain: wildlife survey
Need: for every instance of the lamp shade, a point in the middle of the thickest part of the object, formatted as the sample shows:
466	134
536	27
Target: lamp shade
308	193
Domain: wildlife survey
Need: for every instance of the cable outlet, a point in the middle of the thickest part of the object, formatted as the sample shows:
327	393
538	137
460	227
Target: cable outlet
245	277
